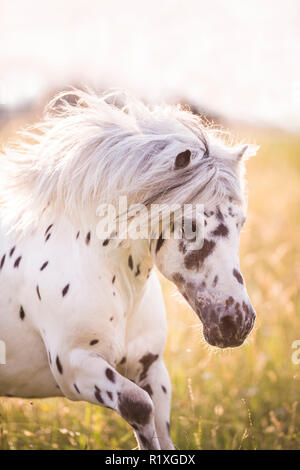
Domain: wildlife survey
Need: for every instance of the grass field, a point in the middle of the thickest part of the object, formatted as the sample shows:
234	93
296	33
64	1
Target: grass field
245	398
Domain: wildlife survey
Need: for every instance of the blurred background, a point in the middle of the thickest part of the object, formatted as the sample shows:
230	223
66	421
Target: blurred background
238	63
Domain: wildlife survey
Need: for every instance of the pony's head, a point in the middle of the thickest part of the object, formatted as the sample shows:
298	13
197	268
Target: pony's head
209	277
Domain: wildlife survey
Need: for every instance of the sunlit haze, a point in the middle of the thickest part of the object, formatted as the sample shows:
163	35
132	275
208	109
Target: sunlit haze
240	59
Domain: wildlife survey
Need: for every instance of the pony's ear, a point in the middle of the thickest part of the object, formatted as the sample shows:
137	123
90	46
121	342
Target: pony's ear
246	151
240	152
182	160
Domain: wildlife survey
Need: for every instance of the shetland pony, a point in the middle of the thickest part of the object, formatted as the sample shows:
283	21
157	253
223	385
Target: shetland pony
83	317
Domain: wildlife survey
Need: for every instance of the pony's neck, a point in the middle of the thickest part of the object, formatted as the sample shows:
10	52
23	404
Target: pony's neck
131	262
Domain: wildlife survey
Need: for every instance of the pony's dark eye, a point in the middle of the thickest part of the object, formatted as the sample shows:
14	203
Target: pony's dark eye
182	160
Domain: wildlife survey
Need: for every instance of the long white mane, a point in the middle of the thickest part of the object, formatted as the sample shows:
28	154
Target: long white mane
99	148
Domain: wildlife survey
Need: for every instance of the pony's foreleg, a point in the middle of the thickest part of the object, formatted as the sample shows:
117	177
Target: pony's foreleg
158	385
83	375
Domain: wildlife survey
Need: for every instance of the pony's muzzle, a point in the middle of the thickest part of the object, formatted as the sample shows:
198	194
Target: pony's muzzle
227	327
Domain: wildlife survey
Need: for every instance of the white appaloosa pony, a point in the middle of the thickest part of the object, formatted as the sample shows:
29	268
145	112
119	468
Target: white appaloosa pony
82	317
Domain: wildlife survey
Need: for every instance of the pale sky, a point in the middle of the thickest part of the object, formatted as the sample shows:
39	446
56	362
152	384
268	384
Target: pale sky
239	58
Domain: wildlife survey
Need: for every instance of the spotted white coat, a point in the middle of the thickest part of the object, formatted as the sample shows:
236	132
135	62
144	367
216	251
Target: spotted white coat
84	318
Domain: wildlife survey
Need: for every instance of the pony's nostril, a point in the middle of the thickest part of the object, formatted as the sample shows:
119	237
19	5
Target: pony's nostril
228	325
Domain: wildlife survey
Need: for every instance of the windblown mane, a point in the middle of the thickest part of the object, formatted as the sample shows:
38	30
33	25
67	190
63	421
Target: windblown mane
99	148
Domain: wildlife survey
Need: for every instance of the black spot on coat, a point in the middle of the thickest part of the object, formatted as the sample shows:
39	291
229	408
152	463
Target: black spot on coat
65	290
38	292
134	411
88	238
138	271
12	251
178	278
246	308
130	262
58	365
238	276
44	265
229	302
17	262
22	313
219	215
2	261
48	228
110	375
182	247
148	389
147	360
221	231
98	395
230	212
195	258
94	341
